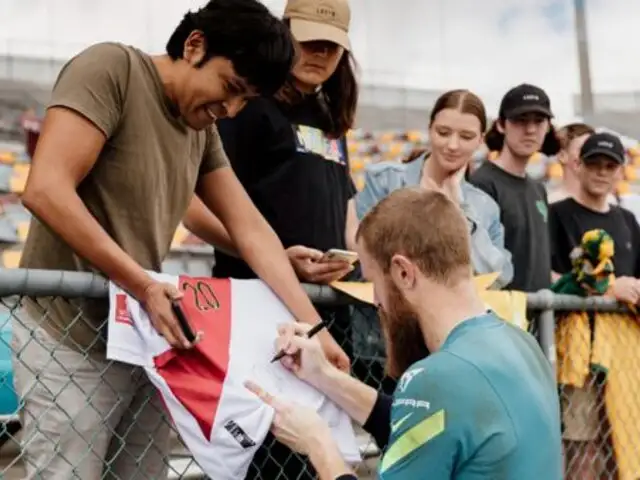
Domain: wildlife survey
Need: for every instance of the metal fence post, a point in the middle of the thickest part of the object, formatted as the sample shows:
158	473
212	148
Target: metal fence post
547	327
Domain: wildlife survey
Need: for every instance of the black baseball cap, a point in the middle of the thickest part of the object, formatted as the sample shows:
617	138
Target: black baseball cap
604	144
523	99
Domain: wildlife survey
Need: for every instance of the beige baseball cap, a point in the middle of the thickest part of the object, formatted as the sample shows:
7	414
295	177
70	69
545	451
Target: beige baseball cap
320	20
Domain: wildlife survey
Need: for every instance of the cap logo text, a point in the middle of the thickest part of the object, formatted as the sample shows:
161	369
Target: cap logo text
605	144
531	96
325	12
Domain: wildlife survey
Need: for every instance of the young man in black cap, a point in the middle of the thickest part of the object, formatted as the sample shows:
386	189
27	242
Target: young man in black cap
601	159
523	128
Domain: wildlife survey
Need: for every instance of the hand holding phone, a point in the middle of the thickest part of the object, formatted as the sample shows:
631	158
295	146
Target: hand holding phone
314	266
337	255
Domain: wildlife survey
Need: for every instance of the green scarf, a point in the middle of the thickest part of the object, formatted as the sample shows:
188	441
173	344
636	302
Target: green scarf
592	266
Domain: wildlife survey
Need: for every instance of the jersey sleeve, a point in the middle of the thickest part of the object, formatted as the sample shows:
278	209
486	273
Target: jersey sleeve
214	155
424	436
94	84
434	419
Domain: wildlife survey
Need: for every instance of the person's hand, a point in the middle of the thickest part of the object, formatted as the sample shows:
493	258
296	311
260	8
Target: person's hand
304	357
451	186
334	352
156	301
626	289
429	184
297	427
308	265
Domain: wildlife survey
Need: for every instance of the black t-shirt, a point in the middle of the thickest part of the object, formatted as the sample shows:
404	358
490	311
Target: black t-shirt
569	220
523	213
300	181
297	177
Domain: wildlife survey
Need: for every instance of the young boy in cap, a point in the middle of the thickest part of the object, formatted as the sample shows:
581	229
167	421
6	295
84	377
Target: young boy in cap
600	161
601	158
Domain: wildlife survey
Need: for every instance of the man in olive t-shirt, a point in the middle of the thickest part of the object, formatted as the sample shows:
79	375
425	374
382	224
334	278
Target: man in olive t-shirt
127	140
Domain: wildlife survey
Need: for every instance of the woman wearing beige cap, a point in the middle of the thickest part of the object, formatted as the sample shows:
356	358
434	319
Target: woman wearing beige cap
290	154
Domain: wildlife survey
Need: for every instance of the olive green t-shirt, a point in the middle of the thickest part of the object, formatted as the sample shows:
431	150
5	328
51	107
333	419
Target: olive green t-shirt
139	188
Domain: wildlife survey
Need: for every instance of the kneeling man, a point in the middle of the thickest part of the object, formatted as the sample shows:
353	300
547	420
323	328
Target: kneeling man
476	397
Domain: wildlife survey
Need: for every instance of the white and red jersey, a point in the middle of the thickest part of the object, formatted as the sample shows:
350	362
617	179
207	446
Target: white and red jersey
219	420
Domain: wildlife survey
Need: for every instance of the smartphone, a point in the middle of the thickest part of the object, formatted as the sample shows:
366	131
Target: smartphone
343	255
182	320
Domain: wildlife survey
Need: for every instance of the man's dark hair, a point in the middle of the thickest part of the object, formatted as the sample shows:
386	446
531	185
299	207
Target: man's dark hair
494	139
259	45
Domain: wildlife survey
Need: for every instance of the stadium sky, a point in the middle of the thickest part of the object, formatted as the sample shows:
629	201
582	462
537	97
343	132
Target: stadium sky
486	45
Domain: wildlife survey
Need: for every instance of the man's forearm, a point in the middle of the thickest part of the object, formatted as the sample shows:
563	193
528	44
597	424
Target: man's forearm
326	458
350	394
200	221
65	214
265	254
255	240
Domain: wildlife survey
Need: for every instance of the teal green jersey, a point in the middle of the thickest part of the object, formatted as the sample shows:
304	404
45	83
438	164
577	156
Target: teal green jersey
485	406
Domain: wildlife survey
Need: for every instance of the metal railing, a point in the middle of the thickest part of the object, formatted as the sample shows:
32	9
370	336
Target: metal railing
46	290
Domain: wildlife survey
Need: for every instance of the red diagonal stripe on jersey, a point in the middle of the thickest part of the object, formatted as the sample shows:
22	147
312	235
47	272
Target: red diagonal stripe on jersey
196	376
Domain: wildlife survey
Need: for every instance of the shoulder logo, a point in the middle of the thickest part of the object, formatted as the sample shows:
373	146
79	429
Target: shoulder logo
406	378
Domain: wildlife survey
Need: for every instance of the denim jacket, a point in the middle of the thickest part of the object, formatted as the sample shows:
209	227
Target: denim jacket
488	254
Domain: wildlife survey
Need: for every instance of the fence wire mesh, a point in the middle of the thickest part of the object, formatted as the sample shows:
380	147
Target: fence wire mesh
599	381
81	416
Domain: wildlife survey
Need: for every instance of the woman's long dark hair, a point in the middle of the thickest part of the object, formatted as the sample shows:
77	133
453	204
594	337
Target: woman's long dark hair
339	94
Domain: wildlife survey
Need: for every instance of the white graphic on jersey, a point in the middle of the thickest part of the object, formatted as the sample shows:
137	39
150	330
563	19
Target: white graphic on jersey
407	377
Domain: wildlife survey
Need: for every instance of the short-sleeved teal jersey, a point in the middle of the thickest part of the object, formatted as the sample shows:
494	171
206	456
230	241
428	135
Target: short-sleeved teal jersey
485	406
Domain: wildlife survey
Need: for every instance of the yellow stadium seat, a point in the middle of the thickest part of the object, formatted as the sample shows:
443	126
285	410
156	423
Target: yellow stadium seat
23	231
366	159
359	181
353	146
634	151
635	159
11	258
8	158
630	173
21	169
180	236
396	148
18	178
387	137
623	188
493	155
357	165
536	157
554	171
415	136
389	155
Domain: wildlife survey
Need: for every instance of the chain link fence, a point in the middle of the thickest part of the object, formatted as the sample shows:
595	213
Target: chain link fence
115	428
